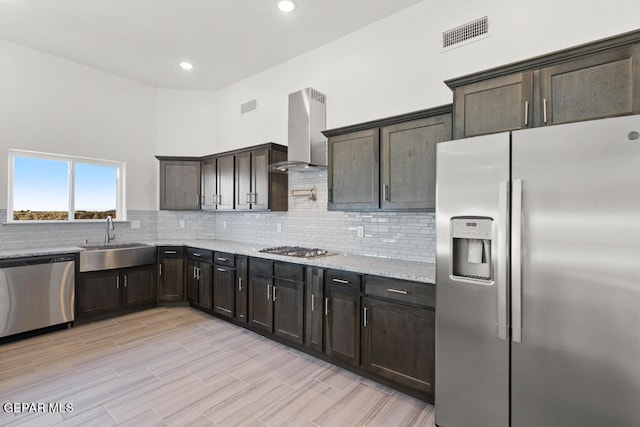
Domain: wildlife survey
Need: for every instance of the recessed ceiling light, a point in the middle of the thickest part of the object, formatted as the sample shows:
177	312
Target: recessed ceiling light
186	65
286	5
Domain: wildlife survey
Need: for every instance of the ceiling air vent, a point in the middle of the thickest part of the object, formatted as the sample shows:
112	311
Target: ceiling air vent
465	32
248	107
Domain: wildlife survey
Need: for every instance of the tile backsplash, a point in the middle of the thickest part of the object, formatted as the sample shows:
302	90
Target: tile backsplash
396	235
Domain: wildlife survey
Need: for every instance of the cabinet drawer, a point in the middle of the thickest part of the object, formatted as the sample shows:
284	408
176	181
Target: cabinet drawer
225	258
400	290
171	252
343	279
200	254
289	271
260	267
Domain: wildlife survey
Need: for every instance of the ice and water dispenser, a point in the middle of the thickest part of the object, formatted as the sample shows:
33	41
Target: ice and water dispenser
471	247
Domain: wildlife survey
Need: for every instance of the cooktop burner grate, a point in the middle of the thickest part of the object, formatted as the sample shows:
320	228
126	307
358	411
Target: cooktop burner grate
296	251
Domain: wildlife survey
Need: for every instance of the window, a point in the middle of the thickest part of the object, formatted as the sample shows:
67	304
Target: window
52	187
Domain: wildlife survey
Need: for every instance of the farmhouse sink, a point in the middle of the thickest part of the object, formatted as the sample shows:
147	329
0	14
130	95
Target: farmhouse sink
111	256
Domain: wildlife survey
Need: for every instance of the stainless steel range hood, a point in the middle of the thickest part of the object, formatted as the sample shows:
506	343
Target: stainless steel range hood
307	145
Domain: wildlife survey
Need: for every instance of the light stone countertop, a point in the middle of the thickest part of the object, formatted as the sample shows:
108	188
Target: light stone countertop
398	269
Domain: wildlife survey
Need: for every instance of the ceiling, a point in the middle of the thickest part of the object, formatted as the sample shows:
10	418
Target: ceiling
145	40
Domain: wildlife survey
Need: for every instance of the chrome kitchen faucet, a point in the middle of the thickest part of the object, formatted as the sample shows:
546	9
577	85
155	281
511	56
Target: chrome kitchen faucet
107	236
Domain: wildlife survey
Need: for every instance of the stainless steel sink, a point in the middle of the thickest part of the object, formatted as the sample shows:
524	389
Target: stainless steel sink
110	256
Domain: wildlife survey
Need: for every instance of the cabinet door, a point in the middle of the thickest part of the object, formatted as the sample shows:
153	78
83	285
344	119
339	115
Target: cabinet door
224	290
260	179
209	187
192	281
288	304
241	289
495	105
409	162
205	285
398	343
99	293
601	85
180	185
353	171
243	180
314	314
260	302
225	182
171	280
342	325
140	286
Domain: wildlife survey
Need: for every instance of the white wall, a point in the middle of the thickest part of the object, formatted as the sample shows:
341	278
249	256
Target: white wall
185	123
52	105
396	65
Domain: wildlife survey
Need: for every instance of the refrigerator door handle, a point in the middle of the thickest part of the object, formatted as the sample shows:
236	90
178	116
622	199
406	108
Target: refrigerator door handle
503	264
516	266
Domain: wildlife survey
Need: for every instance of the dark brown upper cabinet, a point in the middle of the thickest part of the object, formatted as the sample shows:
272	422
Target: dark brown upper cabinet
256	186
386	164
408	170
591	81
240	179
179	183
353	172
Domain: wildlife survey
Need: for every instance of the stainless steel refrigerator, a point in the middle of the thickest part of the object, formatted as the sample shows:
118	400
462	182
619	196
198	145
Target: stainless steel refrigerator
538	277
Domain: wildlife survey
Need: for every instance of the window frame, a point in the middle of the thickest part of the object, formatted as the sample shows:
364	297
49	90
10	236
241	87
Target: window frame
121	211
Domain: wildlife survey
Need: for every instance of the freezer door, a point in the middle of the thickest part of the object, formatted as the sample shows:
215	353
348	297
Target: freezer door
576	258
472	350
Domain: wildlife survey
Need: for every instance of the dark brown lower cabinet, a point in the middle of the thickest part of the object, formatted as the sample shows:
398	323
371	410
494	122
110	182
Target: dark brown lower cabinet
314	308
288	307
260	294
200	284
398	343
342	325
171	274
241	290
224	290
107	293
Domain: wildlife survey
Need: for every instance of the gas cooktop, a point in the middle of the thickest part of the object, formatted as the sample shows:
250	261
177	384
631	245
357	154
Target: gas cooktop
296	251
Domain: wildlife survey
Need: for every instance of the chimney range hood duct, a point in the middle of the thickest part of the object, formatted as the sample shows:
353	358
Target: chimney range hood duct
307	146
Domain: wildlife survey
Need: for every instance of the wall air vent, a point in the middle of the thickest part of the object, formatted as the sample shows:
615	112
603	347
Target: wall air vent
248	107
465	32
317	96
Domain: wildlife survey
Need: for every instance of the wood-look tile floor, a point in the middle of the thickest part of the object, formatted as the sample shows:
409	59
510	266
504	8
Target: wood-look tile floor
178	366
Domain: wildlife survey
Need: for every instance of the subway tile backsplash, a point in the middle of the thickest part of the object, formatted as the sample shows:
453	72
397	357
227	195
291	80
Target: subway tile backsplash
396	235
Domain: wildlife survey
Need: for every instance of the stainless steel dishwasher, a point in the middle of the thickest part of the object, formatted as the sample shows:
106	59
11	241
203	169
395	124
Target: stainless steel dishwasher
36	292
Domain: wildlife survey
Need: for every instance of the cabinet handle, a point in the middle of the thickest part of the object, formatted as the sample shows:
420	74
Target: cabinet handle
544	110
313	302
195	273
341	281
160	269
170	252
215	199
221	270
196	254
526	113
326	306
397	291
222	259
275	288
219	199
125	280
254	198
365	318
268	291
385	193
248	197
239	284
117	282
